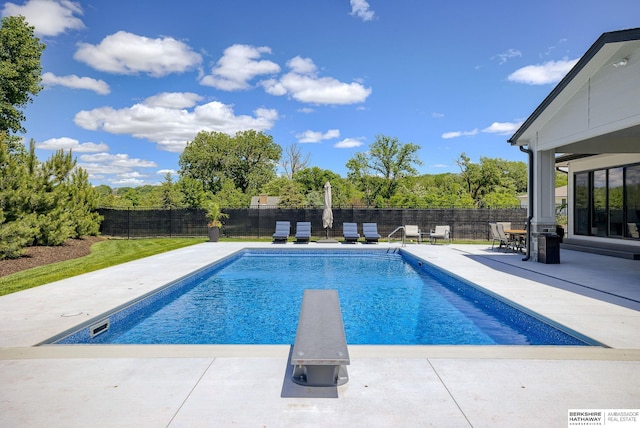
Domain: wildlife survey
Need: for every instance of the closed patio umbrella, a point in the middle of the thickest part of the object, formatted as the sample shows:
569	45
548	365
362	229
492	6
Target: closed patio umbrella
327	214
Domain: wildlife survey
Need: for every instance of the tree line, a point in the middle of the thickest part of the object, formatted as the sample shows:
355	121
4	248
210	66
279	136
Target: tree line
229	170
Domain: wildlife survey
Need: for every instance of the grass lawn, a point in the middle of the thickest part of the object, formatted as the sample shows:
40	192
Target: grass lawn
103	254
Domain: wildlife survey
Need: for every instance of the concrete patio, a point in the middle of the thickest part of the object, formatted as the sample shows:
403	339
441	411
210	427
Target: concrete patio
248	386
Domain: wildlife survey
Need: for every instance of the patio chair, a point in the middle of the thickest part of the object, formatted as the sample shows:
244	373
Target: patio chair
440	232
283	229
412	231
504	240
506	225
350	232
495	236
370	232
303	231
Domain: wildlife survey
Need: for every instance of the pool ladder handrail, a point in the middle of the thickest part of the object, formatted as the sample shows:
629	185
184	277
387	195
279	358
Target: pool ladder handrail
404	241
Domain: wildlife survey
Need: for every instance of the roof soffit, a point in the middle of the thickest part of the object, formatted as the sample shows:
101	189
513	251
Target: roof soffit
610	47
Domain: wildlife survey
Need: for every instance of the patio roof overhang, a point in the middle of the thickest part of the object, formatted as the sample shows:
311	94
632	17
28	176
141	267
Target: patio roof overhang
621	137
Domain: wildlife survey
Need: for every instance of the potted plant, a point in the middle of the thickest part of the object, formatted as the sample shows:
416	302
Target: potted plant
214	217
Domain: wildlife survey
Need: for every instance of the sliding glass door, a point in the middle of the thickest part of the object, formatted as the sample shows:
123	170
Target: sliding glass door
607	202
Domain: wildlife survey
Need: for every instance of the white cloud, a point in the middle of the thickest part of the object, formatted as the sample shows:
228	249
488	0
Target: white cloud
306	110
49	17
315	136
349	143
164	171
238	65
127	53
456	134
502	128
171	126
437	115
542	74
119	168
72	81
505	56
361	9
176	100
439	165
66	143
303	84
121	162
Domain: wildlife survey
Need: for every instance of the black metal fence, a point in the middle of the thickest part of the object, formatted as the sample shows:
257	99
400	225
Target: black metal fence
471	224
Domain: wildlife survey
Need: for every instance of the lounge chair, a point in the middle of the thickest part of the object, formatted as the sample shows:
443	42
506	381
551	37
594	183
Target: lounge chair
303	231
350	232
370	232
412	231
283	229
440	232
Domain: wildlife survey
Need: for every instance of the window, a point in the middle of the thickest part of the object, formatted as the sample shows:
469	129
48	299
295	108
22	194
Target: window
607	202
632	198
581	211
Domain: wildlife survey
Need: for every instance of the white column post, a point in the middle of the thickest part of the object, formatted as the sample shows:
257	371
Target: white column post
544	208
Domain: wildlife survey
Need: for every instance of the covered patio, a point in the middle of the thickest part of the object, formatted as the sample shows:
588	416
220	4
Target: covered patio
589	125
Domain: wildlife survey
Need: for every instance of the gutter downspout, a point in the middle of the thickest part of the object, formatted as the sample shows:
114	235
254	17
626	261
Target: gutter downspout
530	217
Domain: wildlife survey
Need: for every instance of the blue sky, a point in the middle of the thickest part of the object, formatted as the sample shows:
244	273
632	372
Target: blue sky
129	83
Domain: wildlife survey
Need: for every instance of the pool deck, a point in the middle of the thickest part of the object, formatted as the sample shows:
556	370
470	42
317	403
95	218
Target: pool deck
249	386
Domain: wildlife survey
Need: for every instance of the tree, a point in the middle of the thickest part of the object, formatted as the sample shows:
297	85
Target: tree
493	182
193	194
170	195
20	71
360	173
248	159
253	160
43	203
388	159
293	160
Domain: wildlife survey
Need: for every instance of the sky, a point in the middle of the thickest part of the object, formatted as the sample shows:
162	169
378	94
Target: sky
127	84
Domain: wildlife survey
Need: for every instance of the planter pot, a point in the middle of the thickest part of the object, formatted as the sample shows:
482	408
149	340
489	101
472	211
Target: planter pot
560	232
214	234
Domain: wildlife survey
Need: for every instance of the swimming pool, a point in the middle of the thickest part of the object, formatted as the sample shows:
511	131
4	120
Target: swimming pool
386	296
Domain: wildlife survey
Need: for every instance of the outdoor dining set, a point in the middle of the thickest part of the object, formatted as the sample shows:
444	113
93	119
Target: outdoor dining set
508	238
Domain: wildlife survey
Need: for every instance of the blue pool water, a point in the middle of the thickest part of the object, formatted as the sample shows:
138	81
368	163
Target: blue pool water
386	297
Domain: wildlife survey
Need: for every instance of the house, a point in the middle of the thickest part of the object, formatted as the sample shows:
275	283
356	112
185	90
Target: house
264	201
560	199
590	125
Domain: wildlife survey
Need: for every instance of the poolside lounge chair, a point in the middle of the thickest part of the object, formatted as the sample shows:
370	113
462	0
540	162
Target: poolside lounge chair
440	232
412	231
350	232
370	232
303	231
283	229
